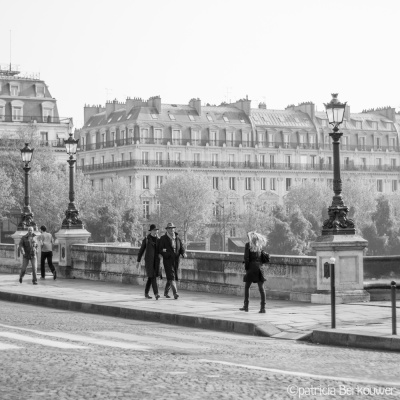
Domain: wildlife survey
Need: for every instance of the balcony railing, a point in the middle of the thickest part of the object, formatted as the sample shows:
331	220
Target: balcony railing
42	143
230	165
34	119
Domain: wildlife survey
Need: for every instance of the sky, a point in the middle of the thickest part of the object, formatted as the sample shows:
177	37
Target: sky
279	52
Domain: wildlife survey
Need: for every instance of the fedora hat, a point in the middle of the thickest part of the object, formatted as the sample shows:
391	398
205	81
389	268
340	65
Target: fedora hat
170	225
152	227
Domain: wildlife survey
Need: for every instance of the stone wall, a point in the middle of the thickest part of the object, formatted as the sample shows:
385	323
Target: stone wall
291	278
6	250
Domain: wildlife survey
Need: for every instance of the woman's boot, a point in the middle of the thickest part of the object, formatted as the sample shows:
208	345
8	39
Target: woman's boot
245	307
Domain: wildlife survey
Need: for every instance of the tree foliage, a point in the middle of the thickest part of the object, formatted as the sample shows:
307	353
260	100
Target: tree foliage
186	200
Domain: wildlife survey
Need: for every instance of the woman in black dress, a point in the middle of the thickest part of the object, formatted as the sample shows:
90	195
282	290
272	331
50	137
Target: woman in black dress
252	262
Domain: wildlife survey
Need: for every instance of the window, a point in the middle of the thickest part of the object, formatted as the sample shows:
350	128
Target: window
159	182
191	117
14	89
378	163
177	158
215	182
44	137
112	157
329	160
393	162
47	114
101	184
272	160
262	160
1	113
130	155
301	140
102	159
394	185
364	162
176	136
246	139
122	156
195	137
346	160
92	160
389	126
158	207
374	125
362	143
39	91
103	138
286	140
247	160
345	142
17	113
263	183
196	159
154	116
157	136
158	158
271	140
232	183
392	141
232	209
144	136
313	158
231	160
213	138
358	124
209	117
379	185
248	183
214	159
226	119
229	138
130	180
312	141
272	183
145	181
145	157
171	116
232	232
146	209
288	183
83	163
379	143
287	161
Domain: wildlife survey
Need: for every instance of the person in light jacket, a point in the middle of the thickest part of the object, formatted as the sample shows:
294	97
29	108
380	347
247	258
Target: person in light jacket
46	239
150	246
171	248
252	262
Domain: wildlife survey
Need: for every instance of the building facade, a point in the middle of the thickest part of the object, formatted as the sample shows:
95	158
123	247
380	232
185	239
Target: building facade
27	105
248	153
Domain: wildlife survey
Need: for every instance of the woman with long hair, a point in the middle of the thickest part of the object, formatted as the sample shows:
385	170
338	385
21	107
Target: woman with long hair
252	262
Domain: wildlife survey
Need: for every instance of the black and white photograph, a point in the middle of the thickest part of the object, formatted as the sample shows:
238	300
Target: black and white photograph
199	200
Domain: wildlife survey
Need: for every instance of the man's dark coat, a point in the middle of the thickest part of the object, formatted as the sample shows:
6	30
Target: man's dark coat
151	258
171	259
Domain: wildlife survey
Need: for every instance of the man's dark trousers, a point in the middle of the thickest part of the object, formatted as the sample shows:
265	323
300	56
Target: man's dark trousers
49	256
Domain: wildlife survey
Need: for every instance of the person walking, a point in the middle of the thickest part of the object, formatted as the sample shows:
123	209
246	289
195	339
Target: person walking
170	249
46	240
150	250
254	274
28	247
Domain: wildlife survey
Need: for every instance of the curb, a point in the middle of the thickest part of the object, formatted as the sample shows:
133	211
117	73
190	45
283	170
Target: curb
348	338
265	329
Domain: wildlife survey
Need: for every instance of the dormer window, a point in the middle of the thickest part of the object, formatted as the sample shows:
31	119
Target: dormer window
40	91
154	116
209	117
324	122
226	119
14	89
191	117
242	120
389	126
358	124
374	125
171	116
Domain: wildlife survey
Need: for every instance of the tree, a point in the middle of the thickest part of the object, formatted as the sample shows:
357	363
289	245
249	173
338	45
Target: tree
7	200
393	243
186	199
376	243
302	231
257	216
382	217
281	239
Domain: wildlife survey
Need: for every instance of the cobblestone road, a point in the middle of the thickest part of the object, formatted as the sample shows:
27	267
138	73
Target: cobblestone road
52	354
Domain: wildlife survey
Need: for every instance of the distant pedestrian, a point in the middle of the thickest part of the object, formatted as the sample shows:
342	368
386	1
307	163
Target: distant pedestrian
46	240
171	248
28	246
150	249
253	262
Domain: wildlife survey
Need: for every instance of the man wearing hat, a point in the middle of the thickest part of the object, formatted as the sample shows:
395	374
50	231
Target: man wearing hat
150	248
171	248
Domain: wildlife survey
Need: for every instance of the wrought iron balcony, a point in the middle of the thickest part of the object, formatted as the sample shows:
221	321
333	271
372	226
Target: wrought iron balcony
144	164
29	119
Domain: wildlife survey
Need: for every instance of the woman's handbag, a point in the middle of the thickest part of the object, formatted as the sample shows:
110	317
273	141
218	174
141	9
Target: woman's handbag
264	257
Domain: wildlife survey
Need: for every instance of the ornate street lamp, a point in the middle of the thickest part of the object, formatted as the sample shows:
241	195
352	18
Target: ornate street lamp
71	220
337	223
27	214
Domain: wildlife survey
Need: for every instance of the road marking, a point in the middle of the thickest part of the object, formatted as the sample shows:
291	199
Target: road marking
6	346
81	338
303	374
149	340
44	342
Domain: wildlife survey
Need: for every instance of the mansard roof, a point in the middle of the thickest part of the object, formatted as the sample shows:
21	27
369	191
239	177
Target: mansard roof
281	118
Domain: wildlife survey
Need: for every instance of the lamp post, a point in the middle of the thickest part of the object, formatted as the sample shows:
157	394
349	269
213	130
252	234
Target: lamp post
27	214
337	223
71	220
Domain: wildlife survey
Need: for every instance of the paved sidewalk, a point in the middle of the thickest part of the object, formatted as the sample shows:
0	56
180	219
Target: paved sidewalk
358	325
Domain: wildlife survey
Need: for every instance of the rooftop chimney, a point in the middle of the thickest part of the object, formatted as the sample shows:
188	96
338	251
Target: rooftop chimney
196	104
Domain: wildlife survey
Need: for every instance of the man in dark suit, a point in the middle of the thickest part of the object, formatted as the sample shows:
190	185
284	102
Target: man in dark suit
171	248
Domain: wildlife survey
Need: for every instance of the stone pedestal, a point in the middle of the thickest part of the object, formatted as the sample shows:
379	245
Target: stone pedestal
67	237
348	250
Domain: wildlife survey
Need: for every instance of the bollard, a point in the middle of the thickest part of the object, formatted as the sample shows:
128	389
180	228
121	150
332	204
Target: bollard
393	295
333	292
